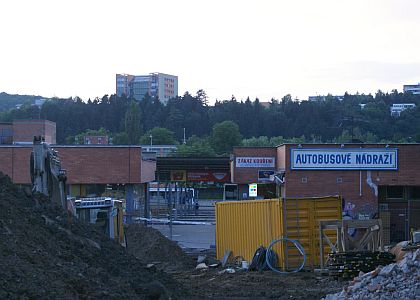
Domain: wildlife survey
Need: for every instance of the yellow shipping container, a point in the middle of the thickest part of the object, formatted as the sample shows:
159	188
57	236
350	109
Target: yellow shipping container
243	226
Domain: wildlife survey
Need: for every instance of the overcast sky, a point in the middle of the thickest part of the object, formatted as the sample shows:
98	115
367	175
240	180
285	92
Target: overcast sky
258	48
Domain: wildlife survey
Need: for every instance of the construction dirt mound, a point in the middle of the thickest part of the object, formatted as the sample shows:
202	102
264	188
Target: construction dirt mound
151	247
46	255
43	255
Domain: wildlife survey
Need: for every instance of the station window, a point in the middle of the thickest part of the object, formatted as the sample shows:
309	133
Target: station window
339	180
415	193
395	192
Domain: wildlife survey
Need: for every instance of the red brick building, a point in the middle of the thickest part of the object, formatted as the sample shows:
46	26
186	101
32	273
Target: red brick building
91	170
6	133
373	179
96	140
84	164
25	130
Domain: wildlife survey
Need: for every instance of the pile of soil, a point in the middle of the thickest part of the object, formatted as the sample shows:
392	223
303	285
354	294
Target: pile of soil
43	255
152	247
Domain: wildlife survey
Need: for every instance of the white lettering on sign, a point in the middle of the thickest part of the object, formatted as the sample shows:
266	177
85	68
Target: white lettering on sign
255	162
344	159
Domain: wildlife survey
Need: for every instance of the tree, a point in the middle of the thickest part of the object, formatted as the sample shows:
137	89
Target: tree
132	123
202	97
225	136
159	136
195	147
261	141
120	138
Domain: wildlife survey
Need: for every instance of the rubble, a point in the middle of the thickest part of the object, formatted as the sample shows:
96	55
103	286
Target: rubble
201	266
399	280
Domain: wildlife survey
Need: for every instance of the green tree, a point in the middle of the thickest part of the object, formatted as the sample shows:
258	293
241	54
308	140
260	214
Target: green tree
202	97
261	141
120	138
195	147
132	123
225	136
158	136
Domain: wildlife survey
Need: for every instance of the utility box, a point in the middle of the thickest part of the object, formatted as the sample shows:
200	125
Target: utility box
243	226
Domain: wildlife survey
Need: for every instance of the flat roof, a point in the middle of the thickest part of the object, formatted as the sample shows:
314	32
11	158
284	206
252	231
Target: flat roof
192	163
29	145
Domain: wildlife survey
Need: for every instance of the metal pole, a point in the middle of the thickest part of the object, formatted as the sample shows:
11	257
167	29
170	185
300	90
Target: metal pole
176	200
151	142
321	247
170	223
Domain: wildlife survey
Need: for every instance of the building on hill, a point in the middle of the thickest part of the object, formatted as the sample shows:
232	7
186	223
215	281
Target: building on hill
397	108
96	140
323	98
412	88
160	150
157	85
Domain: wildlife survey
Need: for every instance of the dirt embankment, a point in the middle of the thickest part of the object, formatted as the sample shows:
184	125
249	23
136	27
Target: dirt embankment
43	256
151	247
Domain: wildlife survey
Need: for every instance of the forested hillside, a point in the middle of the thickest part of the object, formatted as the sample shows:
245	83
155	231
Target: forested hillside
252	123
8	101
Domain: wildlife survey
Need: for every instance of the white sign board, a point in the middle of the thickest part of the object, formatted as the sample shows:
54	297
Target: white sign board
253	190
255	162
344	159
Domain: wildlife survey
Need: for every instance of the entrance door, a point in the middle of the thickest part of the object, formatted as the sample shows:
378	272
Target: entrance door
398	221
399	209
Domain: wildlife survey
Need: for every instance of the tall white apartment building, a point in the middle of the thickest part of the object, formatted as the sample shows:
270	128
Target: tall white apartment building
158	85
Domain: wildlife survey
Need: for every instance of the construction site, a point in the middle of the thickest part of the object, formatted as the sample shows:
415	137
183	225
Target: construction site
319	221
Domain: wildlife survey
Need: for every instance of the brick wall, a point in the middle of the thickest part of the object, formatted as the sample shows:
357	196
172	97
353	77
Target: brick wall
84	164
6	133
25	130
148	170
6	161
352	185
250	175
50	132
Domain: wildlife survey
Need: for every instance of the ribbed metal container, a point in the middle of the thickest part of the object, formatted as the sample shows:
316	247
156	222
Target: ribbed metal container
243	226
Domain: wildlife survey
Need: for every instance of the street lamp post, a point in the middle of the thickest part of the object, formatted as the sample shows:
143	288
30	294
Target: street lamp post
151	142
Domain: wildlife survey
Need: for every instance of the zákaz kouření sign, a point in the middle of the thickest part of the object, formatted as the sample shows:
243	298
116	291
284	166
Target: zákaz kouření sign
344	159
255	162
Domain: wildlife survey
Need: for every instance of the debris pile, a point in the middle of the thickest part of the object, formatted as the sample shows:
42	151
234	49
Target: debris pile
155	250
349	264
43	256
394	281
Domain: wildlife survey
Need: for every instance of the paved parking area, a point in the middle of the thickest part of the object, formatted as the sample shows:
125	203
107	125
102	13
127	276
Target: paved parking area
190	236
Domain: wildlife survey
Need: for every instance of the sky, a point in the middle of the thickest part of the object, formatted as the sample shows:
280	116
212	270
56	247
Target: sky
261	48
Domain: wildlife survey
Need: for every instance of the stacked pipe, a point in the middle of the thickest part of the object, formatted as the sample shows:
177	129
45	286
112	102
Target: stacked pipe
350	264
